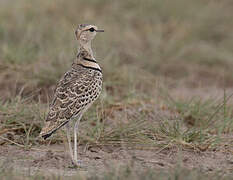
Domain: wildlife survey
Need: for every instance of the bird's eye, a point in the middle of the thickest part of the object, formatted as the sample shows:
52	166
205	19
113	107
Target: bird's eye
92	29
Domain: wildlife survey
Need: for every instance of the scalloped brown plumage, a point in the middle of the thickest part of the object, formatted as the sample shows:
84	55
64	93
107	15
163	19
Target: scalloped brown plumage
77	89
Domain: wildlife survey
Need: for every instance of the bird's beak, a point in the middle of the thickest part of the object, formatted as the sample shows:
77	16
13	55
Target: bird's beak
99	30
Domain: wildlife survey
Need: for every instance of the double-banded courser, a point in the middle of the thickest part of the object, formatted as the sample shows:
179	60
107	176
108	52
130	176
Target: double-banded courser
76	91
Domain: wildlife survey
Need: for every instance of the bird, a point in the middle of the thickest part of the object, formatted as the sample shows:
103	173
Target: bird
76	91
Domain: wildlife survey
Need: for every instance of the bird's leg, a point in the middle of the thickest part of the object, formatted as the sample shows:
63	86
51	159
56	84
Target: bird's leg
75	141
69	140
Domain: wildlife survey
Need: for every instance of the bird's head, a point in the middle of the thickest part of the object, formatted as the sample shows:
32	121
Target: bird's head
85	33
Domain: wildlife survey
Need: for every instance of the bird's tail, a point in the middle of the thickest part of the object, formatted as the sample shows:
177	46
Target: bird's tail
49	129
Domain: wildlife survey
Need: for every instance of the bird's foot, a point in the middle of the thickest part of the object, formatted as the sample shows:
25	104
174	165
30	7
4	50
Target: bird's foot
76	164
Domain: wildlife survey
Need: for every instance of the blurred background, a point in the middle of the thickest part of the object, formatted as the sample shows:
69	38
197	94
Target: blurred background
167	67
188	42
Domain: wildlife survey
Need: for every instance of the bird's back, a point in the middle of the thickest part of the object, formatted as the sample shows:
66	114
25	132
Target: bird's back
75	92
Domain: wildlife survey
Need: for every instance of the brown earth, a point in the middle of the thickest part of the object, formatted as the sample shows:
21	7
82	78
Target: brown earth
53	159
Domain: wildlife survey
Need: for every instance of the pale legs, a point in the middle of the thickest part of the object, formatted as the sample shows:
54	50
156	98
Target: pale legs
76	161
73	154
69	140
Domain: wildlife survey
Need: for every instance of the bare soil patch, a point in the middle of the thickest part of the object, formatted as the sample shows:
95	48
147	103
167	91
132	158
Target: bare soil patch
54	159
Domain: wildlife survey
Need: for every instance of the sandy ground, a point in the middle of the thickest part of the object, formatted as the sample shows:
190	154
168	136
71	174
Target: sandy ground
53	159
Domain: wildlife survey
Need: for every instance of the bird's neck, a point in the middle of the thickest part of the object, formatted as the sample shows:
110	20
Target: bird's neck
85	50
85	57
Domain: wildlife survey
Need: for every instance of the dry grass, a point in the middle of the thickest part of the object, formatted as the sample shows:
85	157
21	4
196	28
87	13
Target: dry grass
146	45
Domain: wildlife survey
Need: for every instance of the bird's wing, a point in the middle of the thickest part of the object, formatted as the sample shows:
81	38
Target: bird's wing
70	98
